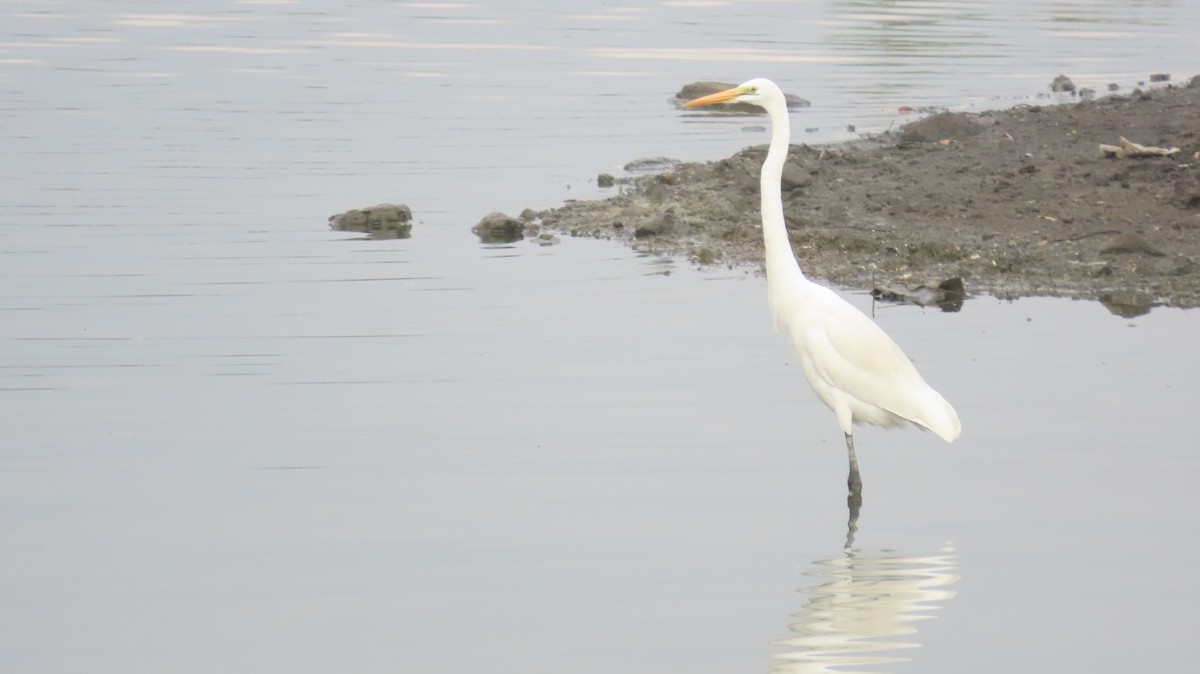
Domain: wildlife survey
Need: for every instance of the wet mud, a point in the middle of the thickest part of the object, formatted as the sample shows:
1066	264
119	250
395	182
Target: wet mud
1016	202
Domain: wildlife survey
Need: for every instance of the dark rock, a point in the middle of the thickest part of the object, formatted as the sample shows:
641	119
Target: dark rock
942	126
1113	86
953	288
948	295
1194	83
529	215
1160	77
499	228
384	221
605	180
1062	83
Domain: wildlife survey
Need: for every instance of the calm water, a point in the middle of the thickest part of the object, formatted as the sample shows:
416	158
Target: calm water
232	440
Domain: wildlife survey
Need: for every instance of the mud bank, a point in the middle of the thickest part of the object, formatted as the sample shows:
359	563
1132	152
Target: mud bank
1015	202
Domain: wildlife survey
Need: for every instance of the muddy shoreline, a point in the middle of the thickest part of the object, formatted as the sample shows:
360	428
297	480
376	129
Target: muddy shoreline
1018	202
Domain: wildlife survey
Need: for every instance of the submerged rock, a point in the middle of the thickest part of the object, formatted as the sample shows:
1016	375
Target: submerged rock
384	221
948	295
648	165
499	228
697	89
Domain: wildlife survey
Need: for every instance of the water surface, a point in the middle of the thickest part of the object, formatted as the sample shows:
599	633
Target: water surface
233	440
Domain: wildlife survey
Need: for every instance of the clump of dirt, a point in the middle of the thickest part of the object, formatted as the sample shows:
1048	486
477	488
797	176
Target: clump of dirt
1015	202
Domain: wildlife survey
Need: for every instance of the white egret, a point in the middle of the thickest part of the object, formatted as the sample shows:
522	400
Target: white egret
850	362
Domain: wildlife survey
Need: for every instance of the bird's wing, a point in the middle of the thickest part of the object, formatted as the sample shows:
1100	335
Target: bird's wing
855	356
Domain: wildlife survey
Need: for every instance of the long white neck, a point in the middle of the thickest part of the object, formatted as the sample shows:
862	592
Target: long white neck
781	262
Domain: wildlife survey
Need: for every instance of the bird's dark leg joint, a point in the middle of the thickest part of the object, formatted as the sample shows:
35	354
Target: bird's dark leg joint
854	482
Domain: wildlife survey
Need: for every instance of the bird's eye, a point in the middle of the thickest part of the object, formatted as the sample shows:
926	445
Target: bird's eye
752	90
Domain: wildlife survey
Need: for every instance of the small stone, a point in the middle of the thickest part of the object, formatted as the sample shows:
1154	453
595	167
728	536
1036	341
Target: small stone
1160	77
1113	86
384	221
1062	83
605	180
499	228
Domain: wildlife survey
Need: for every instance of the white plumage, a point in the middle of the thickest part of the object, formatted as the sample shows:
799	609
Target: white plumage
850	362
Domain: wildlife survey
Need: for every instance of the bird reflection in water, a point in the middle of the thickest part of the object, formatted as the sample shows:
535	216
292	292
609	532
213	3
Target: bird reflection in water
862	603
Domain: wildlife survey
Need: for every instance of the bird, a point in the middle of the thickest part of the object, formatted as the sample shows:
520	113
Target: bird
852	365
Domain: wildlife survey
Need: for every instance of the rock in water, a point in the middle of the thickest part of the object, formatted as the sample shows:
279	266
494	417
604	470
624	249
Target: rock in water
385	221
698	89
649	165
1062	83
499	228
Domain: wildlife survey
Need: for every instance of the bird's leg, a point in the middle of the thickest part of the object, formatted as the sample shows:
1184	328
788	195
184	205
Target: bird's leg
854	500
854	503
854	482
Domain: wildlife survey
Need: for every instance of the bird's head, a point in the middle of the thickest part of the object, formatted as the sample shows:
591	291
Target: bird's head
760	92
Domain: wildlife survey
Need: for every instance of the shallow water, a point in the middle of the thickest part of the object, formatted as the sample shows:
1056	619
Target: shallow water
236	441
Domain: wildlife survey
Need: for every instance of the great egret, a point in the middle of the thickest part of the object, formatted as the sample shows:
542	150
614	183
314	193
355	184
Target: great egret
850	362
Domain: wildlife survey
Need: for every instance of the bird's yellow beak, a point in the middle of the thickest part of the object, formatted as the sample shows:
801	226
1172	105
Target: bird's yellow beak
719	97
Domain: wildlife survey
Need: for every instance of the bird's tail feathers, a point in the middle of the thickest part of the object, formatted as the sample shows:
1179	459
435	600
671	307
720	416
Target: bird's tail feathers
939	417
